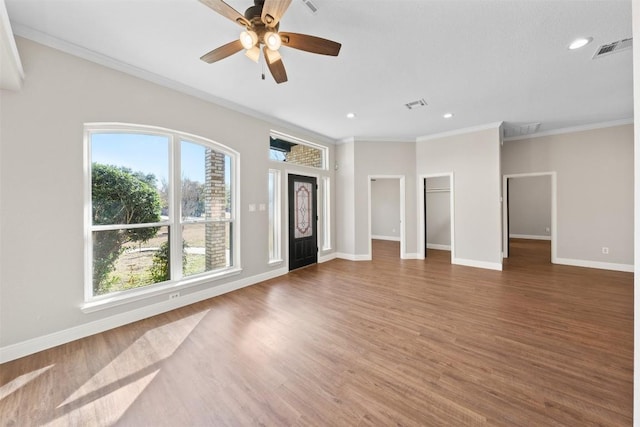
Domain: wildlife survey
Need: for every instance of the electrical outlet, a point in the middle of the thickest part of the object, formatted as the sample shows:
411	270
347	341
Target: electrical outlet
548	230
605	250
174	295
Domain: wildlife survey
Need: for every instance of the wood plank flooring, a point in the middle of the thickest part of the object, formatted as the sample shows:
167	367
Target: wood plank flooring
387	342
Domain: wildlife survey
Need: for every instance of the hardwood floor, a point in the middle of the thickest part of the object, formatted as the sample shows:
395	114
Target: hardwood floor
387	342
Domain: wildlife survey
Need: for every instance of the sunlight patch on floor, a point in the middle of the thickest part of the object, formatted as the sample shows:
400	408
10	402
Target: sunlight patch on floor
133	369
21	381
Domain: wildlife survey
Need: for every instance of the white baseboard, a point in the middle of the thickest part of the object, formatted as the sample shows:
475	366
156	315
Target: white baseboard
410	256
353	257
392	238
325	258
438	247
34	345
529	237
478	264
629	268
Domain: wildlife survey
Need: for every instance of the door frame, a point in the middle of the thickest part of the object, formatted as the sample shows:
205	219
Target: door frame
285	218
421	216
554	211
403	239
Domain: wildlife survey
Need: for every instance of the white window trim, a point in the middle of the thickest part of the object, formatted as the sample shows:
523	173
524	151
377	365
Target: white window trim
94	303
326	213
277	218
323	150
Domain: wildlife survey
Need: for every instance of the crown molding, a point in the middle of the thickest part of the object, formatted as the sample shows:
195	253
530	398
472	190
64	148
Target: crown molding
12	71
495	125
115	64
348	140
573	129
390	140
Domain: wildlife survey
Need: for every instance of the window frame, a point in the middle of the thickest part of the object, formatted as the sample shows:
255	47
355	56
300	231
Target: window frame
174	222
275	249
326	213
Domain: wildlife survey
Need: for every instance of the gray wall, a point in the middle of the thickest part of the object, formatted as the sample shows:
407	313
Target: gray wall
41	182
385	208
345	199
383	158
595	189
474	159
530	207
358	160
438	213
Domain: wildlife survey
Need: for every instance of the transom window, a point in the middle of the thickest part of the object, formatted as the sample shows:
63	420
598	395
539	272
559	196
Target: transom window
285	148
161	210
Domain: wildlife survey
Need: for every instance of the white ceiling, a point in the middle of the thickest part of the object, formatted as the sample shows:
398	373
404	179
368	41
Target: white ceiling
485	61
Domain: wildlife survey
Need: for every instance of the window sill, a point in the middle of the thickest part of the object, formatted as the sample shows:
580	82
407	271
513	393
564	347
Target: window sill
152	291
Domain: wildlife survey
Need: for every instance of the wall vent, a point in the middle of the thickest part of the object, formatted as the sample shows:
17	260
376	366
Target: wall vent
312	7
615	47
416	104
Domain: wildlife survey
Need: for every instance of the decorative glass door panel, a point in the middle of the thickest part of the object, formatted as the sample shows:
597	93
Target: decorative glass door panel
303	200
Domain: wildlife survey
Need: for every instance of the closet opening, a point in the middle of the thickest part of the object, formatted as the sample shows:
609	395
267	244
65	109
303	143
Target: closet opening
438	217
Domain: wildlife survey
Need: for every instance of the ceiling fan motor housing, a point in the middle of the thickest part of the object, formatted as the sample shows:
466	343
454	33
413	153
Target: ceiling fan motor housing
254	12
254	15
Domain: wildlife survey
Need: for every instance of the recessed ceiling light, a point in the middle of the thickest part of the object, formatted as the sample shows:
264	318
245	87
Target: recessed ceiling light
581	42
447	115
351	115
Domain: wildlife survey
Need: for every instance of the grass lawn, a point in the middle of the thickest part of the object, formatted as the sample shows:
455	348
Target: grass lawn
132	270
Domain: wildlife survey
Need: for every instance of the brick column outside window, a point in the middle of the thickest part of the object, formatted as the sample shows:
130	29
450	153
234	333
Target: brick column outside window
215	204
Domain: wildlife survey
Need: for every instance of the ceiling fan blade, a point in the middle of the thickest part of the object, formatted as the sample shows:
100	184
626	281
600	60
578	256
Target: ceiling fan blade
272	55
227	11
222	52
273	10
276	68
311	44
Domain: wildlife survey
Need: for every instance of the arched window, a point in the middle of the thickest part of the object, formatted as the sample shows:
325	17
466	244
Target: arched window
160	211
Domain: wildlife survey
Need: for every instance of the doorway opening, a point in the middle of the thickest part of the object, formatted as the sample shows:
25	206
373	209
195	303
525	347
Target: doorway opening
529	217
387	214
436	222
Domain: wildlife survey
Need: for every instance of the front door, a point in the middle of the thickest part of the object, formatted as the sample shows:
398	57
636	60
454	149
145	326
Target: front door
303	221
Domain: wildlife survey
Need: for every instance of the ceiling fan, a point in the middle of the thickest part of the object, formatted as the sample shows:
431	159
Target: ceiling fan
261	23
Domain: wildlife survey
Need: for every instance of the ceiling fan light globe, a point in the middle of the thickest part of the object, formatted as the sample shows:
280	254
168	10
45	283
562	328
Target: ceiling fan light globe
272	40
248	39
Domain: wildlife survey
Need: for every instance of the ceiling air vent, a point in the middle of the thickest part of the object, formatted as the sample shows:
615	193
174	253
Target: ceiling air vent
615	47
513	130
416	104
312	7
